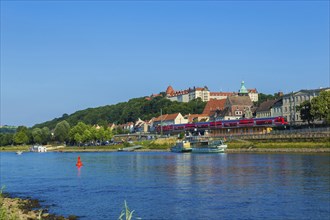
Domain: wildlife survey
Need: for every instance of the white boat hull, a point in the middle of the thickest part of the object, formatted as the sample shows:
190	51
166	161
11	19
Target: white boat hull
217	149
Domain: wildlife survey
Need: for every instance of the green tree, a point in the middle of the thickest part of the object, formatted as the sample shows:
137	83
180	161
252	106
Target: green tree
87	135
320	106
78	138
108	134
99	134
6	139
21	137
37	135
61	131
46	135
93	133
77	133
305	112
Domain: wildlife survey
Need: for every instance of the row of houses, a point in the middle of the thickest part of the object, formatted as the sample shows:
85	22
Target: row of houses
234	107
241	107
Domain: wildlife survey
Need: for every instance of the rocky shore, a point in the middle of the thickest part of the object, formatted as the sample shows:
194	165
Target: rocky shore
26	209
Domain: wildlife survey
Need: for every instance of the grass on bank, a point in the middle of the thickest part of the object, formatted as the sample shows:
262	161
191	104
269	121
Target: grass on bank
158	144
273	145
5	212
167	143
15	148
126	214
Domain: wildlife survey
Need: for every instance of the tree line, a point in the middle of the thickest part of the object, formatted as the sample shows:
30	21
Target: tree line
79	128
130	111
63	133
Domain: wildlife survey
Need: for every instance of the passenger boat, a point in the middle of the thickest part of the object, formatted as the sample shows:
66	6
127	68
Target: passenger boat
181	147
210	146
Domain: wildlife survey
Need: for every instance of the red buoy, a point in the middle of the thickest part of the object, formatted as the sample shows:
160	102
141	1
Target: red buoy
79	163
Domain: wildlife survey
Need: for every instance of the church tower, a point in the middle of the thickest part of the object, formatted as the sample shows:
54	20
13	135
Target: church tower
243	91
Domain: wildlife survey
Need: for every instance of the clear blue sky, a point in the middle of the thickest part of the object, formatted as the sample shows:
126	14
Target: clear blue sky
60	57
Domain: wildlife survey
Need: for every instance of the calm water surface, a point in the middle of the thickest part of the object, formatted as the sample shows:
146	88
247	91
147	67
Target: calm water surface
173	186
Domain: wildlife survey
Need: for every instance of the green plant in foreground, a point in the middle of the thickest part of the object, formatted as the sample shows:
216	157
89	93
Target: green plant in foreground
4	213
40	214
2	209
126	213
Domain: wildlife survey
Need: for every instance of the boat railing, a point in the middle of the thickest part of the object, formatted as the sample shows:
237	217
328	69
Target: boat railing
198	139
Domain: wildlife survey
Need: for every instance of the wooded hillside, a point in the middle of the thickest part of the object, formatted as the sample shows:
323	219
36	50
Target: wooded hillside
127	112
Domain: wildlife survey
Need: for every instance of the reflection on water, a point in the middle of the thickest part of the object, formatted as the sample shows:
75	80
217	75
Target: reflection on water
200	186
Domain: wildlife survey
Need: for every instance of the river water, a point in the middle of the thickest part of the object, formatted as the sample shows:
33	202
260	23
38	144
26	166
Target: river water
164	185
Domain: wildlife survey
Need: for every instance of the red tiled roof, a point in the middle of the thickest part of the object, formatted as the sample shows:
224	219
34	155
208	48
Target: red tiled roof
182	92
167	117
172	116
252	90
191	117
170	90
213	105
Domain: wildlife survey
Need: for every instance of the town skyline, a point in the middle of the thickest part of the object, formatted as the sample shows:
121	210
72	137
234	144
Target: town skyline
251	93
61	57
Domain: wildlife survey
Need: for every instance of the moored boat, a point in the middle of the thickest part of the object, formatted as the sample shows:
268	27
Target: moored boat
216	146
181	147
128	149
38	148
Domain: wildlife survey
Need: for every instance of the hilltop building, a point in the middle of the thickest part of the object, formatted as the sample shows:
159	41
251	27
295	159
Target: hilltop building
221	95
205	95
252	93
188	94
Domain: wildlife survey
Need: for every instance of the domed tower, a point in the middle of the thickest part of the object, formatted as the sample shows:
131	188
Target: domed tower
169	91
243	91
